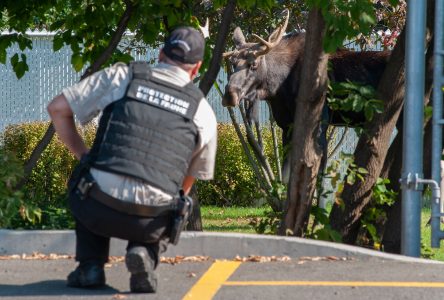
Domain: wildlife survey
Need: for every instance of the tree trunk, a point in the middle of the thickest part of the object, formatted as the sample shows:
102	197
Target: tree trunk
195	220
44	142
391	235
372	147
306	153
223	30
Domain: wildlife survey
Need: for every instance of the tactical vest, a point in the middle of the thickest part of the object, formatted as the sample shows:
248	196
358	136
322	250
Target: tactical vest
149	134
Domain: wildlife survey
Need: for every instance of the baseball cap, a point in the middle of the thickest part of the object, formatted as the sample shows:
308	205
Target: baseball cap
185	44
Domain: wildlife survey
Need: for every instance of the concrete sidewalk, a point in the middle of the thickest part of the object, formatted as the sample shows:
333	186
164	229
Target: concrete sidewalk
214	245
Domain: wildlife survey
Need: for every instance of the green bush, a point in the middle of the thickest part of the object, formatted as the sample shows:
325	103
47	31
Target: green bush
234	183
46	187
11	201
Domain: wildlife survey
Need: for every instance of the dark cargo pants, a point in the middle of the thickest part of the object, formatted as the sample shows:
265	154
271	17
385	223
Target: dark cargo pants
96	223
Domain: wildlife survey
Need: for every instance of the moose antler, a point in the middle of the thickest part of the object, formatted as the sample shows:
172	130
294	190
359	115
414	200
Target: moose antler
274	38
265	46
228	54
205	29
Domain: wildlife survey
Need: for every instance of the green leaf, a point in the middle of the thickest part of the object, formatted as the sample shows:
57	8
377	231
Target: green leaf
366	18
367	91
351	178
6	40
322	235
20	69
57	42
428	110
335	236
358	103
381	188
368	113
24	43
56	25
3	56
77	62
14	59
362	170
348	85
373	232
172	19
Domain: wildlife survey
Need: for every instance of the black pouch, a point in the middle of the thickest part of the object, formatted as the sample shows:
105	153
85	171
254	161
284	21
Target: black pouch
81	179
81	172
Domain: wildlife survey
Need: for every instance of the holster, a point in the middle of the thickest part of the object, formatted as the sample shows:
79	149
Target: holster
181	215
81	180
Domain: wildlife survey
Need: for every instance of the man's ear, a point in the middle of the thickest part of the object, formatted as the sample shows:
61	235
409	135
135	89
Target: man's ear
195	70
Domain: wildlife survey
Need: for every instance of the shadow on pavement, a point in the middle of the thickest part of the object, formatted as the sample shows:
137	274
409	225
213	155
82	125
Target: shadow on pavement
52	288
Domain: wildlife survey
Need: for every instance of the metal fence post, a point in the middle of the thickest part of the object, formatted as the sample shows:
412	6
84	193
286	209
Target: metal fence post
413	129
438	81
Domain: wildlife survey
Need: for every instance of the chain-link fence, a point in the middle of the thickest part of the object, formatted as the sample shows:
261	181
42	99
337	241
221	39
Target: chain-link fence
25	99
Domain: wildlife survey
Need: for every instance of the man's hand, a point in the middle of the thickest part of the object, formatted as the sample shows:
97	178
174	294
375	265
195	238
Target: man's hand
63	120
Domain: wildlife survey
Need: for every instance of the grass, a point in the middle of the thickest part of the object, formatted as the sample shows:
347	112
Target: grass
434	253
239	219
231	219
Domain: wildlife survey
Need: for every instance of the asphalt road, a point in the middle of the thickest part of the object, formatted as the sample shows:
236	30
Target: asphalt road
306	278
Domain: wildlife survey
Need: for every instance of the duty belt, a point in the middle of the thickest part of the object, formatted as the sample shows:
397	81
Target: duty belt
127	207
180	208
93	190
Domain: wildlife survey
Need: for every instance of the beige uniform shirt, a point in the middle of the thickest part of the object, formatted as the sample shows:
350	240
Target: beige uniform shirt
90	96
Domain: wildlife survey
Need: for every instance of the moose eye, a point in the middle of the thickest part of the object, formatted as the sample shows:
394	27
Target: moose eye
253	65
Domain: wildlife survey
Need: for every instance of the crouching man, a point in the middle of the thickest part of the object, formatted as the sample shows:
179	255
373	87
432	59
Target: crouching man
157	133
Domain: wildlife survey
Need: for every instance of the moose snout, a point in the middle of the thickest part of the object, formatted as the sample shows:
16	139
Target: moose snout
231	97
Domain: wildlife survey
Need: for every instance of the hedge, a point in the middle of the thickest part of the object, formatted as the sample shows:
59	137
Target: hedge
234	183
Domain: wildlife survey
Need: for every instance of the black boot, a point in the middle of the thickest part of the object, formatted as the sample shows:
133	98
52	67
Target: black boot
141	266
87	275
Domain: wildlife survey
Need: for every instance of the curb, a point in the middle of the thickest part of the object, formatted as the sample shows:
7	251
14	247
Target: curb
213	244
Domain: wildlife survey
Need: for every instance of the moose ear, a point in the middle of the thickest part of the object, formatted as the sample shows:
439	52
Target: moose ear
238	37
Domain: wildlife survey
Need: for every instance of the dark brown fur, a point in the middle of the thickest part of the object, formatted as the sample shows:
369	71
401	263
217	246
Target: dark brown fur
275	76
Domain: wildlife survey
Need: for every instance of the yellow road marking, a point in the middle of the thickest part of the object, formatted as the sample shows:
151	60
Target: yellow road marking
212	280
336	283
219	272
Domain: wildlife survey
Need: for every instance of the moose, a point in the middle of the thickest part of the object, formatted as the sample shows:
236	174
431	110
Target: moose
271	70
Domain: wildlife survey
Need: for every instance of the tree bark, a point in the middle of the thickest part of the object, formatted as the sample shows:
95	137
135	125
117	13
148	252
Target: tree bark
44	142
371	151
195	220
306	153
372	147
391	235
223	30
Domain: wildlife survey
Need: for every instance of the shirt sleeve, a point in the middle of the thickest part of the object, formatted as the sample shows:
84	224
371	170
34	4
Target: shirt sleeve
204	155
90	96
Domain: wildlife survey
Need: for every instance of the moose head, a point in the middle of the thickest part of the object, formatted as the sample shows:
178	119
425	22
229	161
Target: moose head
271	70
250	68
